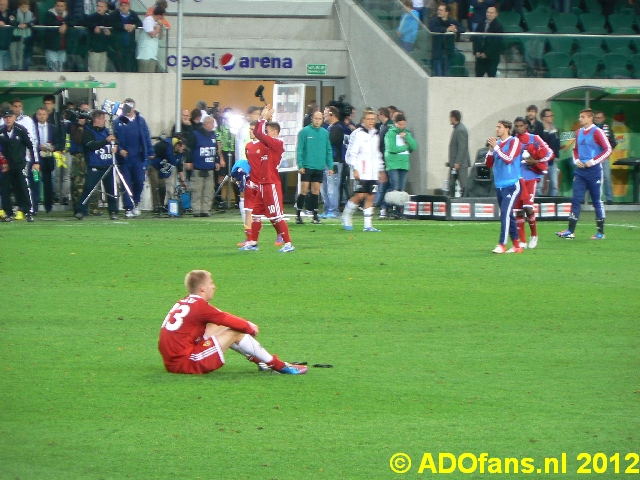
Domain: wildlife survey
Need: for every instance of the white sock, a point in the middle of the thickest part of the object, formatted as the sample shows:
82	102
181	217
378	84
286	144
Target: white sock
350	207
250	346
368	216
241	207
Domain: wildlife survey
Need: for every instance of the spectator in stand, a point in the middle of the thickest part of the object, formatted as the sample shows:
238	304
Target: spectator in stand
420	7
124	22
552	138
55	40
454	7
443	45
533	124
408	27
6	35
149	41
479	13
99	36
486	49
163	21
22	44
599	118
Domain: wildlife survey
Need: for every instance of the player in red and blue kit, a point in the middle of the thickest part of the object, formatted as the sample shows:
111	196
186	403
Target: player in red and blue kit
504	156
535	155
590	150
269	200
195	334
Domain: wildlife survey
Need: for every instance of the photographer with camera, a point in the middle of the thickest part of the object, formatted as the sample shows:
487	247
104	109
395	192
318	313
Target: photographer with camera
136	149
168	154
77	120
204	160
99	146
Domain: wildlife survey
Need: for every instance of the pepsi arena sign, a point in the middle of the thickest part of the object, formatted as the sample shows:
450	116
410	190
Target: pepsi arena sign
228	62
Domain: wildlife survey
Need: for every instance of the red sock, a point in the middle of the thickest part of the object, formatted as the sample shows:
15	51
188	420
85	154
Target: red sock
256	225
253	359
532	225
520	225
283	229
276	363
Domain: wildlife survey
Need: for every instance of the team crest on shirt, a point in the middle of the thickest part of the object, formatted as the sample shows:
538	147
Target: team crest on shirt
208	343
258	151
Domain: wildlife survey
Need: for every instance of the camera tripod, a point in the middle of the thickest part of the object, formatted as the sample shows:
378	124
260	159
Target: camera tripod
116	186
228	181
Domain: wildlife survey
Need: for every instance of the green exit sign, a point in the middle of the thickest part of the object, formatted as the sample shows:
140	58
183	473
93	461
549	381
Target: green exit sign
316	68
211	82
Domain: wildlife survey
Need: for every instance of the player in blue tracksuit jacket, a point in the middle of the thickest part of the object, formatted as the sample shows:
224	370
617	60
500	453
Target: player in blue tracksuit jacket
135	149
504	156
591	149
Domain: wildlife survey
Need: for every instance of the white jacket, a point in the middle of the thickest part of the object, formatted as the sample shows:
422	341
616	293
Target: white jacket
363	154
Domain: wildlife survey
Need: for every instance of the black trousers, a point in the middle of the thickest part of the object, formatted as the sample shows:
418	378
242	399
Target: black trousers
488	66
47	165
17	181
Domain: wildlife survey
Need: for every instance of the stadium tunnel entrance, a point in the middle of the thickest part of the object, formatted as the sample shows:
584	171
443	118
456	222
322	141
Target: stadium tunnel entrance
621	108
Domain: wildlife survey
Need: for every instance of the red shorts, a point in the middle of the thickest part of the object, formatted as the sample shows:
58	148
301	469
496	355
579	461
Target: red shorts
527	194
250	194
269	201
205	357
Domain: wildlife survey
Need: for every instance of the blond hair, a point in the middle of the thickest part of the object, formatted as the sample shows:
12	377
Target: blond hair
195	279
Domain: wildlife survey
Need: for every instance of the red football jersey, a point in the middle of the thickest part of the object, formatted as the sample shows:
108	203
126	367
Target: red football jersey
271	157
184	326
254	151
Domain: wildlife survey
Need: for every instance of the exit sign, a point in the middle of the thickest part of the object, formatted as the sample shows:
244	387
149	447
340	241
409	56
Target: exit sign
316	68
211	82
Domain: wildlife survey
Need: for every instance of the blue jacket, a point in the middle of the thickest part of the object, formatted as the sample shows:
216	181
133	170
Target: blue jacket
133	137
408	27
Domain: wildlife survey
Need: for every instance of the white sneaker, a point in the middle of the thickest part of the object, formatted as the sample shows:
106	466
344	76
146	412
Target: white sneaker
128	214
136	211
533	242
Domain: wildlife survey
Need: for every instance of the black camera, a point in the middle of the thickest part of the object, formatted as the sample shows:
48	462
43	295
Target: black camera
344	108
76	114
215	110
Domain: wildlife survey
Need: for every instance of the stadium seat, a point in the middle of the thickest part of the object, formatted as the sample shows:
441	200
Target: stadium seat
510	18
576	11
563	20
623	51
593	6
618	73
590	21
537	19
624	31
618	21
569	31
635	64
458	71
561	44
614	43
586	65
512	40
423	40
614	62
458	59
591	44
555	60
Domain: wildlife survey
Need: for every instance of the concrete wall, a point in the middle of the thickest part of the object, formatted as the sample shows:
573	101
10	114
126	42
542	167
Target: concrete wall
154	94
381	73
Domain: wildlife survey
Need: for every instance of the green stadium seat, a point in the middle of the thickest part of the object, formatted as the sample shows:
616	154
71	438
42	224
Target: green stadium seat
562	20
613	42
562	72
593	6
635	64
555	60
623	51
586	65
590	43
618	73
624	31
561	44
458	71
458	59
510	18
511	40
627	11
576	11
537	19
613	61
618	21
569	31
591	21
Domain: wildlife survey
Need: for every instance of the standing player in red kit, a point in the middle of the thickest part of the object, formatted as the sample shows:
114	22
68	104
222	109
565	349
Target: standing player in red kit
268	201
195	334
535	155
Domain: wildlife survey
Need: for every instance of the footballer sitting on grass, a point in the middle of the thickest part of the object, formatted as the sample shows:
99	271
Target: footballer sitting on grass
195	334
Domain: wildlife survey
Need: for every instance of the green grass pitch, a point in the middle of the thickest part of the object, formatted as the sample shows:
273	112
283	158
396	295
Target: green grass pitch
438	345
